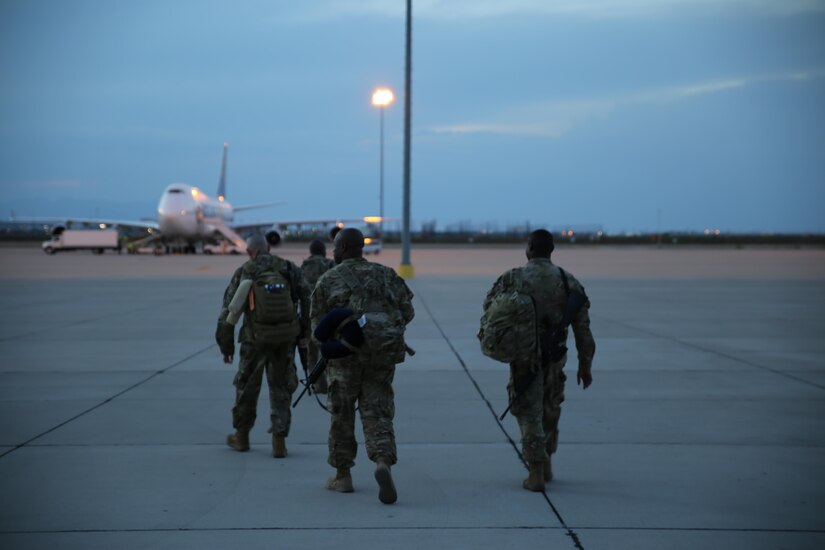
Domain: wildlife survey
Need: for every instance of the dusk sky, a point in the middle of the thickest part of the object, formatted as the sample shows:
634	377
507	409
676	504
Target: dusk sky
710	113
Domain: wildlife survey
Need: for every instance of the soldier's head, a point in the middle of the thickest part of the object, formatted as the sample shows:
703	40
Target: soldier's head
255	245
273	238
317	248
539	244
349	243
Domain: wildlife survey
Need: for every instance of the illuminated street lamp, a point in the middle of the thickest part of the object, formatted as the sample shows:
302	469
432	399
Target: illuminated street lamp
381	98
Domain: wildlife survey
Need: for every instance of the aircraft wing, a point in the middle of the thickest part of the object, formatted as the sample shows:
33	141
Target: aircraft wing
142	224
256	206
281	225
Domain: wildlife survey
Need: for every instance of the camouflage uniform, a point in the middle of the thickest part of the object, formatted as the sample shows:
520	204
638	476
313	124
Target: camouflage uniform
312	268
539	408
365	380
315	266
278	363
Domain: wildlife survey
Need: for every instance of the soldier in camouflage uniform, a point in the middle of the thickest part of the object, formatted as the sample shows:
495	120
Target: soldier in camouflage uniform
312	268
278	362
365	378
539	407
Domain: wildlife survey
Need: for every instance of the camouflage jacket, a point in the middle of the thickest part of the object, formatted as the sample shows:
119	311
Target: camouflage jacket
315	266
224	334
543	278
332	291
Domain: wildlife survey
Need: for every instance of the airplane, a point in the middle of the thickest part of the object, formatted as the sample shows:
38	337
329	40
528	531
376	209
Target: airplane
187	216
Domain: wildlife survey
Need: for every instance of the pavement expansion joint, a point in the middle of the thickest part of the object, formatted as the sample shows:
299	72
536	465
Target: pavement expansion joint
108	400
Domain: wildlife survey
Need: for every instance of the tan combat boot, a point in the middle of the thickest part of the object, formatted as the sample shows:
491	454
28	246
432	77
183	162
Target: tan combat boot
383	475
278	446
342	482
548	471
535	481
238	441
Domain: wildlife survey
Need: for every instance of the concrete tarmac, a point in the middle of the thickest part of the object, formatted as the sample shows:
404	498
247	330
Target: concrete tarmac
704	427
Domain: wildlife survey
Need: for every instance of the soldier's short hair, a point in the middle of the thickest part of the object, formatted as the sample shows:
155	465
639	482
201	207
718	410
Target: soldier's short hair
256	243
317	248
541	241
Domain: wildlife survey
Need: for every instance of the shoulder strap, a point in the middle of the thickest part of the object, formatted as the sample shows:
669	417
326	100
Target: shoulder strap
349	277
292	271
564	282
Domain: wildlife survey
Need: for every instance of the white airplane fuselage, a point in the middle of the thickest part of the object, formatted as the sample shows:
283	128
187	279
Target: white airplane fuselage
186	212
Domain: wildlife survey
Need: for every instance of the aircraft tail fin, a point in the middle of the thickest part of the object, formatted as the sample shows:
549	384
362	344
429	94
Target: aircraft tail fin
222	181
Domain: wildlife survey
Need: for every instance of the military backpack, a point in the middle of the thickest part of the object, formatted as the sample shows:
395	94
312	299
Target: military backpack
378	316
272	309
508	329
313	267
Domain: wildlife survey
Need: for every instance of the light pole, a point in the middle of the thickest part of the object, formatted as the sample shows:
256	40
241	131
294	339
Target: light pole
381	98
406	269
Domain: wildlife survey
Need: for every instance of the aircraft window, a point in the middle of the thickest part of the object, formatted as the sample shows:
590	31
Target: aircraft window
175	191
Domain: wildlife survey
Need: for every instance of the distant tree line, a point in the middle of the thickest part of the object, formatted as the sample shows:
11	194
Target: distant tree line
466	232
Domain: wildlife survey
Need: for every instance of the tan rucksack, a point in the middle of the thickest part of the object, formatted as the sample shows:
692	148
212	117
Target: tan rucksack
378	317
508	327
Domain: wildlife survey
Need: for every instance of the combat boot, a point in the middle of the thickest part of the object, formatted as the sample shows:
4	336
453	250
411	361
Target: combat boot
548	471
278	446
238	441
535	481
342	482
383	475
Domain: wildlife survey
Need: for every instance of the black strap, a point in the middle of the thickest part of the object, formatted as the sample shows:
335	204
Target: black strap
564	282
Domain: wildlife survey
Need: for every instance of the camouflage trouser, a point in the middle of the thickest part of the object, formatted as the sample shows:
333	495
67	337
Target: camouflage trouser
538	409
370	386
282	379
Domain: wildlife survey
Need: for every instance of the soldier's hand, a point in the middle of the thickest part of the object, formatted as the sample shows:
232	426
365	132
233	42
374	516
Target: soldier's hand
584	378
228	359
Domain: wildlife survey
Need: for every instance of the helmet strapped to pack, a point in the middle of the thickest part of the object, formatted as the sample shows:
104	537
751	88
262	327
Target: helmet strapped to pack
339	333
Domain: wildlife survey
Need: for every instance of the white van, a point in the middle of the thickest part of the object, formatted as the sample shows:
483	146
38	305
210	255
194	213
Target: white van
96	240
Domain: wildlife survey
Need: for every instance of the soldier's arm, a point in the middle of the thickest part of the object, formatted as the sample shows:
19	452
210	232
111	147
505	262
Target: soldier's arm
225	333
303	293
318	302
405	297
585	344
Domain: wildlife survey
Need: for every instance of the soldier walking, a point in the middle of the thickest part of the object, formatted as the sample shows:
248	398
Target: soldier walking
274	300
312	268
536	386
382	303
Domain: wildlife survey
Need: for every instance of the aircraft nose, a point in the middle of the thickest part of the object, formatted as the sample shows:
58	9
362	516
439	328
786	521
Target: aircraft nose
176	217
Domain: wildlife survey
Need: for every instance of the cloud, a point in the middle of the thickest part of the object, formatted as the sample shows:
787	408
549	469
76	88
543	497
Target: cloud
601	9
555	118
52	185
